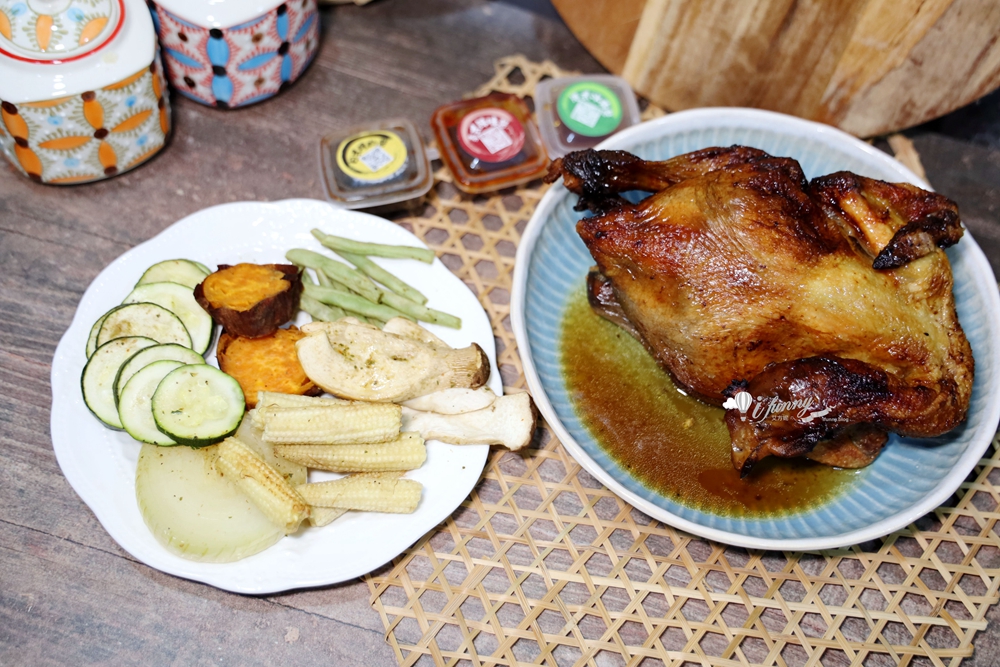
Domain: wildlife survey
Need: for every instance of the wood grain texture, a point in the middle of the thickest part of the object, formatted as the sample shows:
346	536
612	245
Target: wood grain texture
605	26
68	593
867	66
942	57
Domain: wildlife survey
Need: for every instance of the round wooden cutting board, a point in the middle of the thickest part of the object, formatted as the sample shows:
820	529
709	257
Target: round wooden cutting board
866	66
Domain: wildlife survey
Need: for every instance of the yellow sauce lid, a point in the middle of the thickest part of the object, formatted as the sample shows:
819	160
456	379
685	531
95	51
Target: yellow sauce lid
372	157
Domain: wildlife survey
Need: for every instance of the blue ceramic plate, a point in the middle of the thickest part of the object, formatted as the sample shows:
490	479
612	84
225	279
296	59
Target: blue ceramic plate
909	478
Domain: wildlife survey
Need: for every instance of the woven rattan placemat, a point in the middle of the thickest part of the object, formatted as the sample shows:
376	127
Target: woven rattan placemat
544	565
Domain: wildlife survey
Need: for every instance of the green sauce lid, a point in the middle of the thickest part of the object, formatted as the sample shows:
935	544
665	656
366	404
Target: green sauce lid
589	108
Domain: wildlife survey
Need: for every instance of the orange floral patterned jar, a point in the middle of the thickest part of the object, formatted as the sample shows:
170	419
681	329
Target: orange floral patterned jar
82	93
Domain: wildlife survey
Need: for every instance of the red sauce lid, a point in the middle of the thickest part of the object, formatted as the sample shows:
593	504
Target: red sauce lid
489	143
491	134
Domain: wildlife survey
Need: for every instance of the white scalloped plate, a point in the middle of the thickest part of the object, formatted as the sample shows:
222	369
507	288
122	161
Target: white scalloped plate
100	463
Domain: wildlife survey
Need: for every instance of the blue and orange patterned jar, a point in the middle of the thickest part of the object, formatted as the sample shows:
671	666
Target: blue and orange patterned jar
231	54
82	93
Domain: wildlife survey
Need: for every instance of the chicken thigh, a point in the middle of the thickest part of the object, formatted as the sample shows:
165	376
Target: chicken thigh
829	302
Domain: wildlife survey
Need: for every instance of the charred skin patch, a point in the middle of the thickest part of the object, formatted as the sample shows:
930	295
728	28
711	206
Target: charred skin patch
841	393
602	299
915	220
940	229
601	175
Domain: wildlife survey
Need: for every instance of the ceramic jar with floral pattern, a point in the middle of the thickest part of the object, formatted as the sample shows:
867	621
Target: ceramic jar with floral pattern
231	54
82	92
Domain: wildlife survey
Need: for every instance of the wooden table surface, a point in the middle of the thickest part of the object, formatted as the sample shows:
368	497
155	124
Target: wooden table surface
68	593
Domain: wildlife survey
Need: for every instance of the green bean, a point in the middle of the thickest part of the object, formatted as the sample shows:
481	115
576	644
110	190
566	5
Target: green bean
419	312
367	320
352	278
359	317
320	311
327	281
378	274
306	278
338	243
323	279
351	302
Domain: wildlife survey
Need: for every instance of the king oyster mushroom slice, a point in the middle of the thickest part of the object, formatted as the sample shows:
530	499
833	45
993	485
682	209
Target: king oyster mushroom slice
453	401
510	421
353	320
354	361
410	329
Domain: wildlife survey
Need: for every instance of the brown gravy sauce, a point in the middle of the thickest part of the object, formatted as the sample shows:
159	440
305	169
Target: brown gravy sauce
672	443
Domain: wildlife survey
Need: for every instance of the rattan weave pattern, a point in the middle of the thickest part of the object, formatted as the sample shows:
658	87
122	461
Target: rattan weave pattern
544	565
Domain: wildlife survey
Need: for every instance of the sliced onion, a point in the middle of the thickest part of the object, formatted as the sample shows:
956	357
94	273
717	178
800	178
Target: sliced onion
294	473
195	512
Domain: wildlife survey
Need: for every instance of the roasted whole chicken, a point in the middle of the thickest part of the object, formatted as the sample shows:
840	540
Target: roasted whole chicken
828	301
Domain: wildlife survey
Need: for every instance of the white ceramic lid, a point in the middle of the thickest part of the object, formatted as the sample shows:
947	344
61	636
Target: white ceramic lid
48	30
218	13
111	51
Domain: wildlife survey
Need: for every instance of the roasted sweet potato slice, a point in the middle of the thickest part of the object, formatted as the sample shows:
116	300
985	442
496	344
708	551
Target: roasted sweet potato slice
270	363
251	300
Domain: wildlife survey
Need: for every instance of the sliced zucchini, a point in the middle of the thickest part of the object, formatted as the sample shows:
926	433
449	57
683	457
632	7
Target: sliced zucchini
198	405
143	319
182	271
194	511
100	372
143	358
92	338
135	405
180	301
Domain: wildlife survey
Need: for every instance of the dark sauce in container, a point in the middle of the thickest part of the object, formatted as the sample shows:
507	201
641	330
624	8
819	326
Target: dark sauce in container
380	166
489	143
580	112
672	443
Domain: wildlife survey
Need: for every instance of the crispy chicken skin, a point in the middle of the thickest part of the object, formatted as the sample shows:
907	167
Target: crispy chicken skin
739	274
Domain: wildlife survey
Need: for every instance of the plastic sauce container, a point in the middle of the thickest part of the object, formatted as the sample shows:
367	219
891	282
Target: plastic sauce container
379	166
578	112
489	142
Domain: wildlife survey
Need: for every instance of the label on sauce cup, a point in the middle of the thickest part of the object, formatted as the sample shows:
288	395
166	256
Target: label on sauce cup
491	134
589	108
372	157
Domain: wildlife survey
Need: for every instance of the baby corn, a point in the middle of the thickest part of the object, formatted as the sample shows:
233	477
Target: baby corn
322	516
369	492
265	487
405	453
276	399
332	424
266	398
